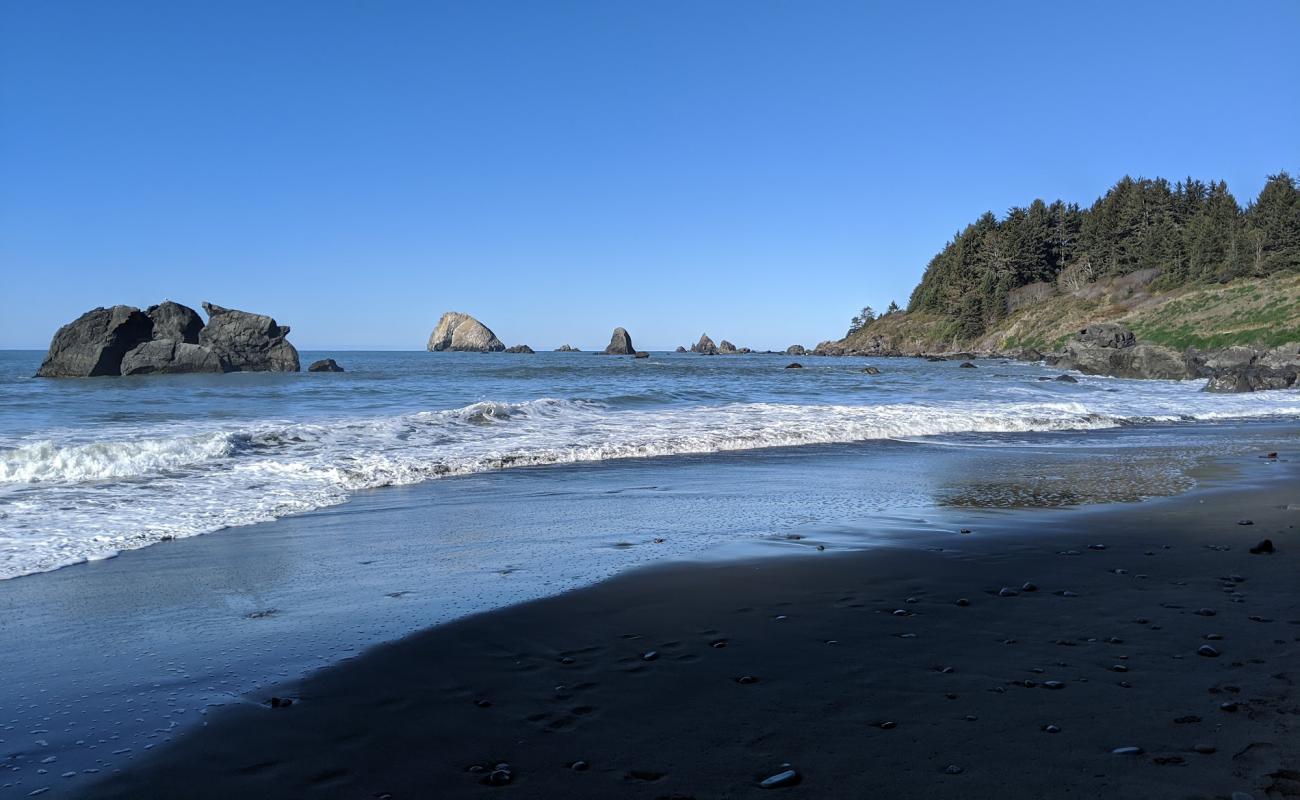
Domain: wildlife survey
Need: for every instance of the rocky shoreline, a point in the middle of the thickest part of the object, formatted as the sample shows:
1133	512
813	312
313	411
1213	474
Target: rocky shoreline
1113	350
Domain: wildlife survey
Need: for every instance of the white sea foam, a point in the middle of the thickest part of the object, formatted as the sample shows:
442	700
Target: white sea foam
63	503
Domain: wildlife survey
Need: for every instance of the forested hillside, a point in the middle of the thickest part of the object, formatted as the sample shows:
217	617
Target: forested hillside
1145	233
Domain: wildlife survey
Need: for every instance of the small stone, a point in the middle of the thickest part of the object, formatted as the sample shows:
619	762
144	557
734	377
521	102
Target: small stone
1245	522
483	703
787	777
1204	749
1007	591
649	655
1051	729
1207	651
963	602
1118	668
1265	547
1096	547
746	680
1214	637
965	530
1187	720
1229	706
898	612
952	769
1029	587
888	726
1204	612
1068	593
1127	751
1053	685
579	766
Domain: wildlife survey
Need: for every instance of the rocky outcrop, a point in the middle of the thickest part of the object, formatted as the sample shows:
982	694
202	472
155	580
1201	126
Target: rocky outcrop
705	346
680	349
642	354
796	350
519	348
829	348
95	343
168	338
325	365
620	344
1111	349
564	348
461	332
726	348
175	322
170	357
247	342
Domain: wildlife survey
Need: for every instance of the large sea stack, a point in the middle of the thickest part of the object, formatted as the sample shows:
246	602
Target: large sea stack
457	331
168	338
620	344
705	346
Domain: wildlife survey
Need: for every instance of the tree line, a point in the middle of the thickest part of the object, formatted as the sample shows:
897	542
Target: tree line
1187	232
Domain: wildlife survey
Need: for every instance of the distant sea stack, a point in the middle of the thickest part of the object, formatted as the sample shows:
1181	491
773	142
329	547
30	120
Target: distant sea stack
705	346
564	348
168	338
620	344
457	331
520	348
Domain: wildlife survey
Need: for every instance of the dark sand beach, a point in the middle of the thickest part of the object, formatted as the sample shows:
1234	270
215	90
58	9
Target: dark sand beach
902	672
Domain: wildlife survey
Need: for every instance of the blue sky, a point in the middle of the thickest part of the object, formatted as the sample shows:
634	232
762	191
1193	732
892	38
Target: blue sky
756	170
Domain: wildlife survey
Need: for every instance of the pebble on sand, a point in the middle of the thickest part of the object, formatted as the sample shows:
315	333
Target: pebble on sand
1207	651
1051	729
1127	751
1265	547
1007	591
952	769
787	777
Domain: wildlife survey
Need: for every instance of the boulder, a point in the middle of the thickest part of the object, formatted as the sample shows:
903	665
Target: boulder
95	343
829	348
726	348
871	370
325	365
794	365
461	332
247	342
170	357
642	354
1253	379
1063	379
1281	357
620	344
1108	350
680	349
705	346
796	350
966	365
519	348
564	348
175	322
1230	358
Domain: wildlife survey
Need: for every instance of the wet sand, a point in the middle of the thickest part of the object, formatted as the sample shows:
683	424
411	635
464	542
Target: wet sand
865	672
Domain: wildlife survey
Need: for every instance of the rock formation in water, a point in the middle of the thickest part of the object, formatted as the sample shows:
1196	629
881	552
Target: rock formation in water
247	342
325	365
796	350
564	348
95	343
680	349
457	331
620	344
168	338
705	346
519	348
727	348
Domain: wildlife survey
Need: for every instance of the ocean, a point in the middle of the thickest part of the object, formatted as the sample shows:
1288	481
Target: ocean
94	467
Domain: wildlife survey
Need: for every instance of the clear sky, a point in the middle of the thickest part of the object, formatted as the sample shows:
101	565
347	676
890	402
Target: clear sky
756	170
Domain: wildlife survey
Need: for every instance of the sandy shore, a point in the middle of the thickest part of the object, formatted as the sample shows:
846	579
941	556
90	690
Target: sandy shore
900	672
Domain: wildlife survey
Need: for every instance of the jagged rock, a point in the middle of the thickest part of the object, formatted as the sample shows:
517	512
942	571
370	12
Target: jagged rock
519	348
170	357
95	343
705	346
796	350
247	342
176	322
1108	334
727	348
1282	357
325	365
1231	358
1253	379
620	344
564	348
680	349
461	332
829	348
